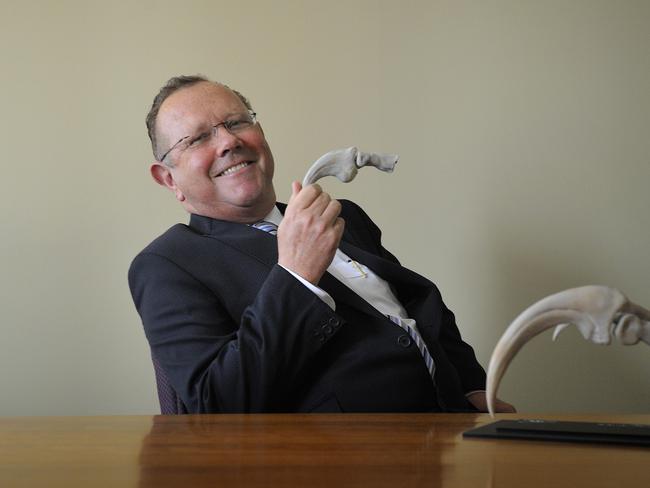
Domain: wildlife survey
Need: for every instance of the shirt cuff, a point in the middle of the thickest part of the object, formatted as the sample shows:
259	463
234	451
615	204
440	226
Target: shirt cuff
319	292
473	391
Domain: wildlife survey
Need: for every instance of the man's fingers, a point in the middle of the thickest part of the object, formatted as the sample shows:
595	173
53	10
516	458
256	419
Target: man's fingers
339	225
295	189
320	203
505	407
305	196
332	210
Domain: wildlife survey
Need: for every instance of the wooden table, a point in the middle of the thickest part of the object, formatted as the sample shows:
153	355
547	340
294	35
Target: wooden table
333	451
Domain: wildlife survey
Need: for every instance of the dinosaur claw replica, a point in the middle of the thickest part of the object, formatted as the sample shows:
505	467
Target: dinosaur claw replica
345	164
597	311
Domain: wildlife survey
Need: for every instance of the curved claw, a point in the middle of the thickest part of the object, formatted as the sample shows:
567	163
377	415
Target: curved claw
558	330
345	164
591	308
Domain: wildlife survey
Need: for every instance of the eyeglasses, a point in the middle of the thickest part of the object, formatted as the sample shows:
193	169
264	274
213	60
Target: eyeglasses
235	124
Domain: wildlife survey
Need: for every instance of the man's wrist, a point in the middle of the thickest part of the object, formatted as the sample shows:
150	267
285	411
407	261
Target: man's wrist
319	292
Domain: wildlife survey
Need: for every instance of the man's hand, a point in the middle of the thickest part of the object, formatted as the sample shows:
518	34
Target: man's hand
480	402
310	232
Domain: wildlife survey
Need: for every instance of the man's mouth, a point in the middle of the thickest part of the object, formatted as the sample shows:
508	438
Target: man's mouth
234	169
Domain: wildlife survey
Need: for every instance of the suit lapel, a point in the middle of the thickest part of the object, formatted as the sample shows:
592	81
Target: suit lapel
392	272
253	242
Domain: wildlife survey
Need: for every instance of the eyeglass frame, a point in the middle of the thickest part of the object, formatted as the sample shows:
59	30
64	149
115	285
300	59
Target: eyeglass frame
214	128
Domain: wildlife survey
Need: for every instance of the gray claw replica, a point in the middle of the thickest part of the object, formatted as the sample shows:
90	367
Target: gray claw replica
597	311
345	164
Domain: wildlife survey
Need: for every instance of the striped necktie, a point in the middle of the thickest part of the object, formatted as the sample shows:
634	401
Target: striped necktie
428	360
269	227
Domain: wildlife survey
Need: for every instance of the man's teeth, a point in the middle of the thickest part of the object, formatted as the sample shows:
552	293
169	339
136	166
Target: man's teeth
233	169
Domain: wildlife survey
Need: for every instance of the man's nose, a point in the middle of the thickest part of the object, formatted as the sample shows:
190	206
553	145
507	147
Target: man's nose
224	140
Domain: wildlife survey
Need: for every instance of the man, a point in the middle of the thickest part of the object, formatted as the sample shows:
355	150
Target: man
320	318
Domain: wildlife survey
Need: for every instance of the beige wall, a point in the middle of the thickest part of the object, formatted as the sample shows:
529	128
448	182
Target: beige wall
523	130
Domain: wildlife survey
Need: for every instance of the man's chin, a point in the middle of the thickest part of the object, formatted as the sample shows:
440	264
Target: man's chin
259	196
248	209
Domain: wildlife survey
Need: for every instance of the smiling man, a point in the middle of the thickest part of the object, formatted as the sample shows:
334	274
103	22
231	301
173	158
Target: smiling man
318	318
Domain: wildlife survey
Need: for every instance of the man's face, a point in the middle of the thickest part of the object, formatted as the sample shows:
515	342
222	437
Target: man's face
196	175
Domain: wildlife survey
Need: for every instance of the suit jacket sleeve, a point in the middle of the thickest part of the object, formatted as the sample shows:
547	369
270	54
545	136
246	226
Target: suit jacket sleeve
461	354
218	363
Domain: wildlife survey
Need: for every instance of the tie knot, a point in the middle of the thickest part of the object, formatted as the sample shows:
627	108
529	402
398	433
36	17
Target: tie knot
269	227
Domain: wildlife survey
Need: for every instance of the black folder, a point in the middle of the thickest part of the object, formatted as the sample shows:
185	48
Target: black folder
563	431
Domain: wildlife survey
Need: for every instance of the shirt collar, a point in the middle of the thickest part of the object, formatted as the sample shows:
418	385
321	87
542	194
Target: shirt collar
274	216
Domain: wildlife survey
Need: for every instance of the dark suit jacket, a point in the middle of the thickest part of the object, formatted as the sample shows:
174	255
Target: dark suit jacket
235	332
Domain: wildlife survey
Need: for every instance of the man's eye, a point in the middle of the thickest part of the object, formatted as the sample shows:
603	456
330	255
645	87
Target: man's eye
235	124
199	139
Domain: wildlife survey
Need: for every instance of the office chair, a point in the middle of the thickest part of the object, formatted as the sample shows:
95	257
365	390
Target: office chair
170	402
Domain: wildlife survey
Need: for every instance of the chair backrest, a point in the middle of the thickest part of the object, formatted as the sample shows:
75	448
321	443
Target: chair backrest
170	402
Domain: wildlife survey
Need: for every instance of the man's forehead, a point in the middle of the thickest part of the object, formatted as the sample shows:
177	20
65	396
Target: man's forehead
199	101
193	108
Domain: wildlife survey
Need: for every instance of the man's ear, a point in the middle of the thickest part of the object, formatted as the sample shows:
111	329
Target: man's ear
164	177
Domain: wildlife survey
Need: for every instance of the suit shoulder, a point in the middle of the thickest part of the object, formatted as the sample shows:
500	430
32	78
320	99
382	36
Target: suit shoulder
166	243
353	212
350	208
349	204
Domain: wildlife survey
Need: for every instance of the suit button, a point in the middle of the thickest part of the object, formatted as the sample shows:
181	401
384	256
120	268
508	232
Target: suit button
334	322
404	340
320	337
327	329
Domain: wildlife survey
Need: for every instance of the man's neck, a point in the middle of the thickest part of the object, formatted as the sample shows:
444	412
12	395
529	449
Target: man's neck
239	215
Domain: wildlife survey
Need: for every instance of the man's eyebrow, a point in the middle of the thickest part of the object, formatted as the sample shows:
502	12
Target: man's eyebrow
219	120
192	130
199	128
202	126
